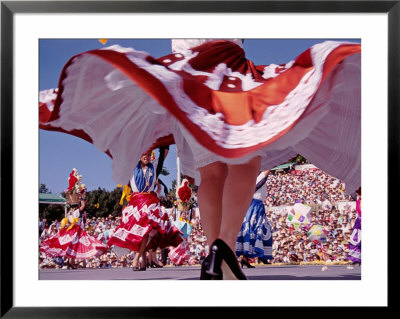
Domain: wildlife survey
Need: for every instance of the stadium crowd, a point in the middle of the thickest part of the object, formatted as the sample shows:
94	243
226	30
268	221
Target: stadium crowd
291	244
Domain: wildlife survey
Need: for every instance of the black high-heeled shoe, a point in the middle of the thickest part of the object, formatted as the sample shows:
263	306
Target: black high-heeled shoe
206	276
219	252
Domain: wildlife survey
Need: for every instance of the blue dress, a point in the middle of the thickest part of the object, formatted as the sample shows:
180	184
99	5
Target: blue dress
255	236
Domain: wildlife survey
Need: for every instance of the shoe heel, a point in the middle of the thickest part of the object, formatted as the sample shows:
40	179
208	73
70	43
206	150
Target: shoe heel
206	276
214	264
203	273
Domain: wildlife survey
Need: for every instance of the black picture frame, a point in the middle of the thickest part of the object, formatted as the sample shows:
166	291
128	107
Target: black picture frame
9	8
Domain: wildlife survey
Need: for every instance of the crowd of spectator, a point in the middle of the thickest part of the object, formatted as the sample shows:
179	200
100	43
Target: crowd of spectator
311	186
322	192
294	245
290	245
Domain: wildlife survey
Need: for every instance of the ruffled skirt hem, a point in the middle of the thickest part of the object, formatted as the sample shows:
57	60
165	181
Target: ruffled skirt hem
217	106
145	217
73	243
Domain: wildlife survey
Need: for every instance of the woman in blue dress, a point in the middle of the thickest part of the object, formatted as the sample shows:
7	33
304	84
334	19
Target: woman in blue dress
255	236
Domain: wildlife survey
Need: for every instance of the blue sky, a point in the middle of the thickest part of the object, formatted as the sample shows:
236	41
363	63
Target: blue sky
59	153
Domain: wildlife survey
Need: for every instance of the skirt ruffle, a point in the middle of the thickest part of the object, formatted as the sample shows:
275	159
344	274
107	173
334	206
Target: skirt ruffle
180	254
145	216
231	107
255	236
73	243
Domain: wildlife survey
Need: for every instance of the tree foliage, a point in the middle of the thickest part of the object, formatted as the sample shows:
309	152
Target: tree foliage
43	189
102	203
298	159
51	212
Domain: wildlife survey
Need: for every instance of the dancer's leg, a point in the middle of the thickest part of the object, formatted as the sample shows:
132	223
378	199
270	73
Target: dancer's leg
238	193
237	196
209	197
140	253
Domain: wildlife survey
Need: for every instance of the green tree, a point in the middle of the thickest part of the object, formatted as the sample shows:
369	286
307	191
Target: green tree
114	199
52	212
102	203
43	189
298	159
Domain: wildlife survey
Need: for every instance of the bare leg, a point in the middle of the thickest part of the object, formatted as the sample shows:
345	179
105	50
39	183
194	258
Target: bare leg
209	197
140	253
224	196
238	193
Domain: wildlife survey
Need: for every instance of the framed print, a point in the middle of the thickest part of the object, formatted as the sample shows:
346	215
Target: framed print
28	28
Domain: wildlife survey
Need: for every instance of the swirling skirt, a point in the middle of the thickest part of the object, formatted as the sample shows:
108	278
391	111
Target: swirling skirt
212	97
355	242
180	254
255	235
73	243
145	218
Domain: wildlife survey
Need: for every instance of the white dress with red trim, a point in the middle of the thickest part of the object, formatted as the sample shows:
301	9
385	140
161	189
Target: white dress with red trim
216	104
72	241
144	216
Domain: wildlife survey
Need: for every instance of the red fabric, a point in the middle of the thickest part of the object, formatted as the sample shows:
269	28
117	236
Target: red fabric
358	206
143	214
72	181
180	254
237	108
44	112
73	243
184	192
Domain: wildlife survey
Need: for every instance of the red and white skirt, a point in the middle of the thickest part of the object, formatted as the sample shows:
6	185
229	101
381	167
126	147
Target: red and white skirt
180	254
73	243
145	216
214	104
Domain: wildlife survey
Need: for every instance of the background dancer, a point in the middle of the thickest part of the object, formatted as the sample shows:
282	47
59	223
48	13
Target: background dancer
72	241
145	224
181	253
255	236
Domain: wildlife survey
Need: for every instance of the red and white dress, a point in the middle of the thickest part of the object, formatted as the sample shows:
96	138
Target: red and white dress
215	105
144	215
181	253
72	241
